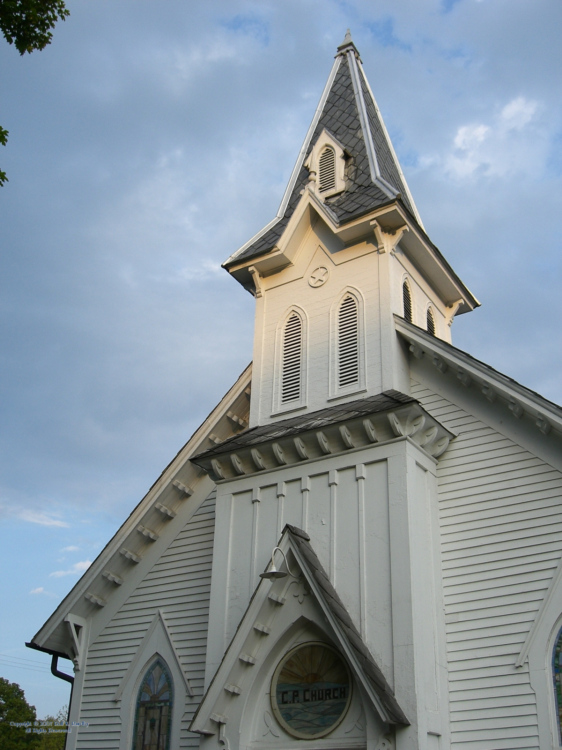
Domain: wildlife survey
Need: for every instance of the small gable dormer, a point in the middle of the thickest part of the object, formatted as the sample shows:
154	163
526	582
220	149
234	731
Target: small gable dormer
326	166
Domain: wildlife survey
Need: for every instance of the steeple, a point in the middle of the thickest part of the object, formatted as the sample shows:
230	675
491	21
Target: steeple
345	254
347	112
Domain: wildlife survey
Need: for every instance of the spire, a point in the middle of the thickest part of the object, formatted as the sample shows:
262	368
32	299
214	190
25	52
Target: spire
347	45
349	113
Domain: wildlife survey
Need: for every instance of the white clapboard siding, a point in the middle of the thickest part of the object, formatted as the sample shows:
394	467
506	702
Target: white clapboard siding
179	583
500	511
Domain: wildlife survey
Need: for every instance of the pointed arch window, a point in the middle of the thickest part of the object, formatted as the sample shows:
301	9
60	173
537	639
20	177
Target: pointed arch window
430	322
291	366
557	678
153	713
407	301
348	342
327	169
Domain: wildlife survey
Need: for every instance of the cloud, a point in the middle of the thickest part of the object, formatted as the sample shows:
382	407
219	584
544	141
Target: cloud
72	548
76	569
43	519
42	591
505	145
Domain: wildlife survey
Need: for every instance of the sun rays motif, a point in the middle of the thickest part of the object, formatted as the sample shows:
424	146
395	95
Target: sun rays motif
311	691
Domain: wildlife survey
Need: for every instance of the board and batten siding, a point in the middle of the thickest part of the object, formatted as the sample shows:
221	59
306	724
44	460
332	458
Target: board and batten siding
500	511
179	584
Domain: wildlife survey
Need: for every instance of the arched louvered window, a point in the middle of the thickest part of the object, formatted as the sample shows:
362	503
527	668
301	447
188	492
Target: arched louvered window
407	301
348	342
291	366
557	677
327	169
430	322
153	714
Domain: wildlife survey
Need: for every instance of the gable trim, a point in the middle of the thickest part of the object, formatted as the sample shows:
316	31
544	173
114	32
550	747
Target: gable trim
158	619
367	135
128	534
212	713
540	616
298	164
391	147
493	384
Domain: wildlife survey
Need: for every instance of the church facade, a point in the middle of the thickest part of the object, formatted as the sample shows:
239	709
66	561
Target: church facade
361	547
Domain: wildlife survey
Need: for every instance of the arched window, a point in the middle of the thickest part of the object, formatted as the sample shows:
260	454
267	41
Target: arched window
348	342
291	366
153	713
430	322
407	301
557	677
327	169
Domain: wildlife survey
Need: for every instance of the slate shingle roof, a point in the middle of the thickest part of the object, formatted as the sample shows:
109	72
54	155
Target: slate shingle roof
341	117
312	421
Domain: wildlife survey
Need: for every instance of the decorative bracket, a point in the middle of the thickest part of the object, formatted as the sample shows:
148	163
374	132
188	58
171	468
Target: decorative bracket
453	310
387	240
257	284
77	627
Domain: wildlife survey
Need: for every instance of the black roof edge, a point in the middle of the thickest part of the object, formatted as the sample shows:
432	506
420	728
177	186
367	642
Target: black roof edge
49	651
484	365
439	254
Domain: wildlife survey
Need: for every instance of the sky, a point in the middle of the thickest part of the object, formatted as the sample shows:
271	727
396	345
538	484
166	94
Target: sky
147	143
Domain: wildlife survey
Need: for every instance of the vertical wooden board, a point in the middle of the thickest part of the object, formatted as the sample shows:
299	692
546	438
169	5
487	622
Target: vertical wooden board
423	585
319	517
267	535
240	559
292	506
378	603
347	536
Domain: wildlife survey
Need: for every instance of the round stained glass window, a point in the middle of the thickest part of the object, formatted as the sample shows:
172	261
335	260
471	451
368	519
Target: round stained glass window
311	691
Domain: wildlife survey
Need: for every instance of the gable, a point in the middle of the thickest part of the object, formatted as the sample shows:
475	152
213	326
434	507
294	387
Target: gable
166	615
125	561
301	607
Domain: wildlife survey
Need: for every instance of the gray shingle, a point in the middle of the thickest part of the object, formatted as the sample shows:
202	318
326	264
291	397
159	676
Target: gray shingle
314	420
340	116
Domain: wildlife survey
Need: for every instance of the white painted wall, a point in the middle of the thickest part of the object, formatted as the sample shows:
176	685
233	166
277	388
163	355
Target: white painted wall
376	279
500	511
179	584
372	518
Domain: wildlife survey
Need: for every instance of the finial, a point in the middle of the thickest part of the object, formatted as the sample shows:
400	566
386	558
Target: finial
347	44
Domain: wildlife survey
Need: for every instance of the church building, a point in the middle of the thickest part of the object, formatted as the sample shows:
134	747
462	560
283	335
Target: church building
361	546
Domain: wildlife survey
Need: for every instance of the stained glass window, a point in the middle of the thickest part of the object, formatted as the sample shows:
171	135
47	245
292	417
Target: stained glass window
153	715
557	676
311	691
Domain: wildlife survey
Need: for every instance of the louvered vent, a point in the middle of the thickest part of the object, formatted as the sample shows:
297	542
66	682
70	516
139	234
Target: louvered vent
292	351
327	169
348	342
407	299
430	322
